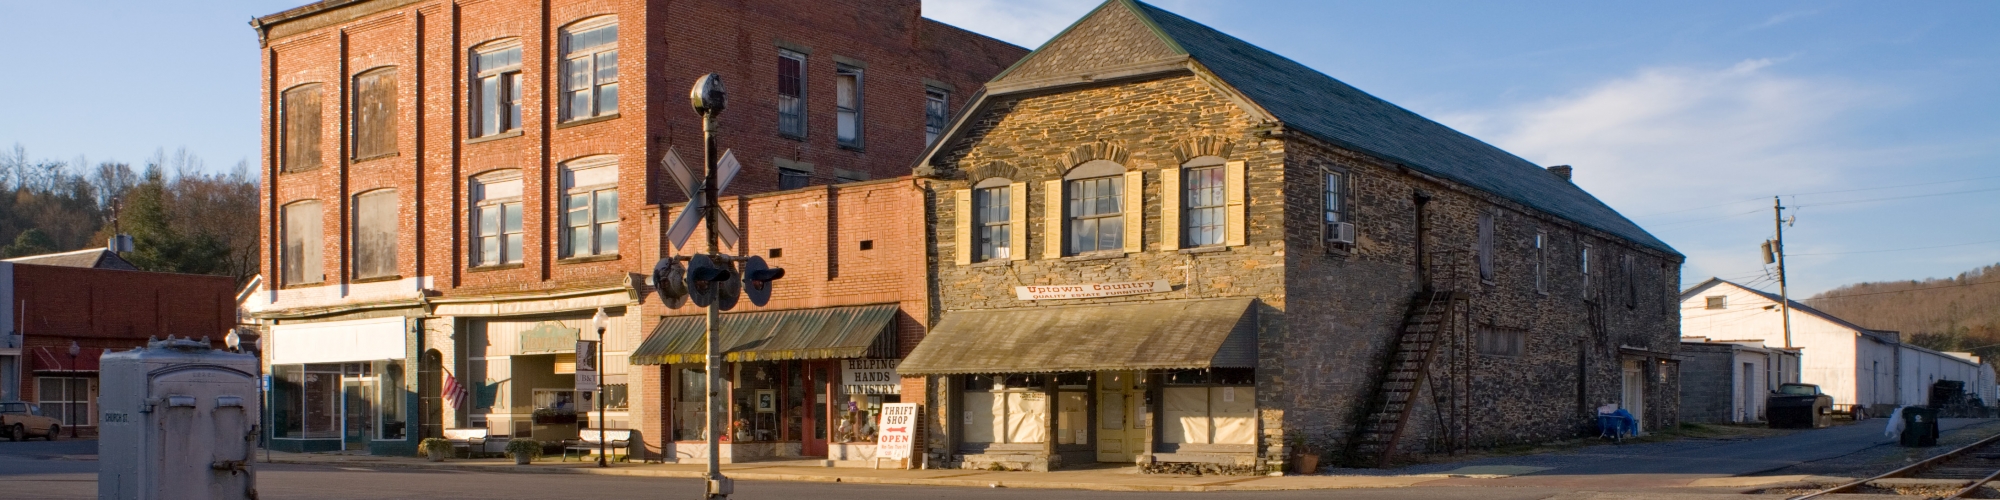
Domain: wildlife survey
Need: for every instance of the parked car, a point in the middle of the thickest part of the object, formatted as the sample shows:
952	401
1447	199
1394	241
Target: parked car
19	420
1799	405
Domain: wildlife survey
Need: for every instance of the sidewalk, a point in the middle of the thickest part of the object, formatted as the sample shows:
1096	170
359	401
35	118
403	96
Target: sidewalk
1099	479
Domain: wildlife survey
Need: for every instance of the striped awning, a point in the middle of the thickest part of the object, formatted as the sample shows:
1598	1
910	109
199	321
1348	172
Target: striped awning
822	333
1164	335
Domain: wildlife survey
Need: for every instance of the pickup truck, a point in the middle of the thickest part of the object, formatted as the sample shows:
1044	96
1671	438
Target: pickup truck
1799	405
19	420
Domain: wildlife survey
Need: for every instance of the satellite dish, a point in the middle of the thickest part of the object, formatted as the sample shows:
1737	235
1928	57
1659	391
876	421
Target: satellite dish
729	290
669	278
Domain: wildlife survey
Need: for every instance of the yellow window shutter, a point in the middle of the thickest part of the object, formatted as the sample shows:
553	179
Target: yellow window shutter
1017	217
962	236
1234	188
1170	208
1052	219
1135	210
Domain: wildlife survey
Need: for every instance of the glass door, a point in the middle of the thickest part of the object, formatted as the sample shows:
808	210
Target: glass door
1121	417
357	422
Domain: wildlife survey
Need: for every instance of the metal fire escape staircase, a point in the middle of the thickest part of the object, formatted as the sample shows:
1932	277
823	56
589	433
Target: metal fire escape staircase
1426	326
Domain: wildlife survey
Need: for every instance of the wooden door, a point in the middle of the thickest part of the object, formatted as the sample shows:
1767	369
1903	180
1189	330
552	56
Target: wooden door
1121	426
820	384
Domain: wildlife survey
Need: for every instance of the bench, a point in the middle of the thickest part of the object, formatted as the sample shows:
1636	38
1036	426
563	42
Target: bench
472	438
588	441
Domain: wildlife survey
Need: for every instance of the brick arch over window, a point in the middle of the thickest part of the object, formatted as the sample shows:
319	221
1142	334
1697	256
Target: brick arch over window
991	170
1100	150
1190	149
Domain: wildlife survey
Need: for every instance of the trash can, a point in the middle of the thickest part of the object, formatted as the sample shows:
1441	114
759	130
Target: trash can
1920	426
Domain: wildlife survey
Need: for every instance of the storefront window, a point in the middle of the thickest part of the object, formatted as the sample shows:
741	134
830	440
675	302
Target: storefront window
756	398
1073	408
615	397
287	382
66	399
1010	409
690	405
319	401
795	402
1210	407
391	420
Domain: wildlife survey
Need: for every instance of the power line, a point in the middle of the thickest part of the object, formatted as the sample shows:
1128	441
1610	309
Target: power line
1731	216
1902	291
1845	202
1760	198
1899	249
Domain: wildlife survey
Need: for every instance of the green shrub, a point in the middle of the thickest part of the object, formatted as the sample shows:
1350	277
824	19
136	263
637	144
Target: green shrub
529	446
424	447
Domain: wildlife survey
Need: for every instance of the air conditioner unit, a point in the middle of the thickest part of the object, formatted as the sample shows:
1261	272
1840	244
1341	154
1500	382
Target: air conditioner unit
1341	232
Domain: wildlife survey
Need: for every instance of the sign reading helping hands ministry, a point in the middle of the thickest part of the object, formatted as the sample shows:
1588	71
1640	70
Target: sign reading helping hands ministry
1091	290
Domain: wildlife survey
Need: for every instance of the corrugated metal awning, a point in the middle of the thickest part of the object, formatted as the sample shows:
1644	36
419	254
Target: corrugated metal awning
1218	333
823	333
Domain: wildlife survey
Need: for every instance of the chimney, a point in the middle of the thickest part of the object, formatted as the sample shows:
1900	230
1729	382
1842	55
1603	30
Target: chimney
1561	171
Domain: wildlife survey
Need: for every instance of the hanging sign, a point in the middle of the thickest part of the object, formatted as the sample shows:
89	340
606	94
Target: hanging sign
898	431
586	366
1091	291
871	376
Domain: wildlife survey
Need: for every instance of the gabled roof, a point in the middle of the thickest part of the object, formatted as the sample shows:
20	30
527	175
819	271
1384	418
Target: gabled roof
1121	34
1882	335
95	258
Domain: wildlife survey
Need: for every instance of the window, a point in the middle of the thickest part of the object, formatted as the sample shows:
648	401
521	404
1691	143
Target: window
1006	409
390	423
792	179
66	399
496	89
375	224
847	106
616	397
993	215
1717	301
301	127
1493	341
1208	407
1541	261
792	94
1631	281
590	69
1584	265
690	404
1333	204
1486	247
1206	208
496	219
375	114
937	113
590	209
301	255
1096	217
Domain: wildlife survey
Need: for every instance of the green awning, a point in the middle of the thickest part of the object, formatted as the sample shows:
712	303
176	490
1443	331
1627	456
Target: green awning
823	333
1210	333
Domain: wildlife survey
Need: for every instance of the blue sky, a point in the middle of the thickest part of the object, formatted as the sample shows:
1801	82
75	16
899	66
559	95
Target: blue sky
1880	120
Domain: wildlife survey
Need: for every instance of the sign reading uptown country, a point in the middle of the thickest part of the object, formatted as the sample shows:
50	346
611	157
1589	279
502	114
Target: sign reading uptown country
1090	291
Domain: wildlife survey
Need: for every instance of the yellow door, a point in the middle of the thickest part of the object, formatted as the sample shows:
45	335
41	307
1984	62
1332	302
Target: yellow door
1122	431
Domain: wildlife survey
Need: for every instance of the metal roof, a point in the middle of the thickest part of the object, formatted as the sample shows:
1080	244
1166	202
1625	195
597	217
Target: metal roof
823	333
95	258
1204	333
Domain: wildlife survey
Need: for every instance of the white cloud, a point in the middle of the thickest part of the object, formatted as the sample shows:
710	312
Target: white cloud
1027	23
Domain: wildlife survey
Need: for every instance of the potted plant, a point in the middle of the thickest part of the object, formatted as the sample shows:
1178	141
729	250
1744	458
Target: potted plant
554	416
434	448
1305	456
524	450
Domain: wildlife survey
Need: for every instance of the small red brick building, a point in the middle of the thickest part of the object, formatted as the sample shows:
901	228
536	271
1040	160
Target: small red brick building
51	307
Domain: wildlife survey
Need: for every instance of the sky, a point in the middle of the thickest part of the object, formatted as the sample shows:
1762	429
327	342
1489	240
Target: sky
1878	122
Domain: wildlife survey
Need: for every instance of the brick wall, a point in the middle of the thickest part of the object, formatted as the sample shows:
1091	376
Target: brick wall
113	310
1708	383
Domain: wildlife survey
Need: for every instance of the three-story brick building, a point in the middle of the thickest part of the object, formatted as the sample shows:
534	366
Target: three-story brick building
452	188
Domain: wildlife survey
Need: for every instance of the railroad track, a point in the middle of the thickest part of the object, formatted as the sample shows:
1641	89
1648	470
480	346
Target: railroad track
1959	473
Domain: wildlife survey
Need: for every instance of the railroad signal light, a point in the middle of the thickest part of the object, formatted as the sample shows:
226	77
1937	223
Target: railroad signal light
670	279
704	279
757	278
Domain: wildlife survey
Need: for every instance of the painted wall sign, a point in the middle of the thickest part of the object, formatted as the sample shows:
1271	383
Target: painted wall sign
898	431
547	338
1091	291
870	376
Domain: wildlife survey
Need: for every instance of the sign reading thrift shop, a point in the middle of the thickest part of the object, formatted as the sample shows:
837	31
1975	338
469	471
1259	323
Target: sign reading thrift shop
1091	291
898	428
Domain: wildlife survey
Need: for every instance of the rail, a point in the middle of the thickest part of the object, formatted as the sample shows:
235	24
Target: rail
1914	469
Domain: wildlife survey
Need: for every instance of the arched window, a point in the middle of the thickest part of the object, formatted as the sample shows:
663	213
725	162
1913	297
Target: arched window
374	240
496	218
300	257
1096	208
590	68
590	207
496	87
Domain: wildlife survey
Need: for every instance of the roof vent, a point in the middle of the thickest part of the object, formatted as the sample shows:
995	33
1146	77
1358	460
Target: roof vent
1561	171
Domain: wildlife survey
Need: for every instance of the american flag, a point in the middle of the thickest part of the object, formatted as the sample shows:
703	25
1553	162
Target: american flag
454	393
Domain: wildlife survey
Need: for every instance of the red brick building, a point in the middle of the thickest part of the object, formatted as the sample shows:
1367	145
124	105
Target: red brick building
49	308
453	188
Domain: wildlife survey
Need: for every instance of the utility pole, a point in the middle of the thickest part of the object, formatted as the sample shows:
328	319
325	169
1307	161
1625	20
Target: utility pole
1778	247
708	101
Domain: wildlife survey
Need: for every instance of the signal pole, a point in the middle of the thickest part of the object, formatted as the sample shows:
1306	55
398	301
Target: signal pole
708	99
1778	247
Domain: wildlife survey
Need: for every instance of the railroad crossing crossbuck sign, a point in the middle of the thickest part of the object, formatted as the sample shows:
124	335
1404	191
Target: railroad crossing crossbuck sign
690	182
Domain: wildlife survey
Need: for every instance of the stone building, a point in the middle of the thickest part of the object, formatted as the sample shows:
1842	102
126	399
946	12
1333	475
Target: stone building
452	188
1157	243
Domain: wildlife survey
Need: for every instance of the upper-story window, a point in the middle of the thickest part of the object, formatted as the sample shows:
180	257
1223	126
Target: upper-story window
300	123
1335	228
792	94
300	257
937	113
1486	246
590	207
496	218
590	68
792	179
1096	213
496	88
1541	262
374	246
1716	302
992	217
1206	214
375	114
1631	281
847	105
1583	259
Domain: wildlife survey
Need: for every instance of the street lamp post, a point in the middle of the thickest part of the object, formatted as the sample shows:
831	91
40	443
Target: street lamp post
75	375
708	99
598	321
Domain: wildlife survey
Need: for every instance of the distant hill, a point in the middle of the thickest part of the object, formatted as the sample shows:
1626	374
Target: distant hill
1950	314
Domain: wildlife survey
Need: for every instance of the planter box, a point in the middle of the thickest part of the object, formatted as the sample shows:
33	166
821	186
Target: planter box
555	419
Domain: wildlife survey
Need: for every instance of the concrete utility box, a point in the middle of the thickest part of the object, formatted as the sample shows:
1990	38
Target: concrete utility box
179	421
